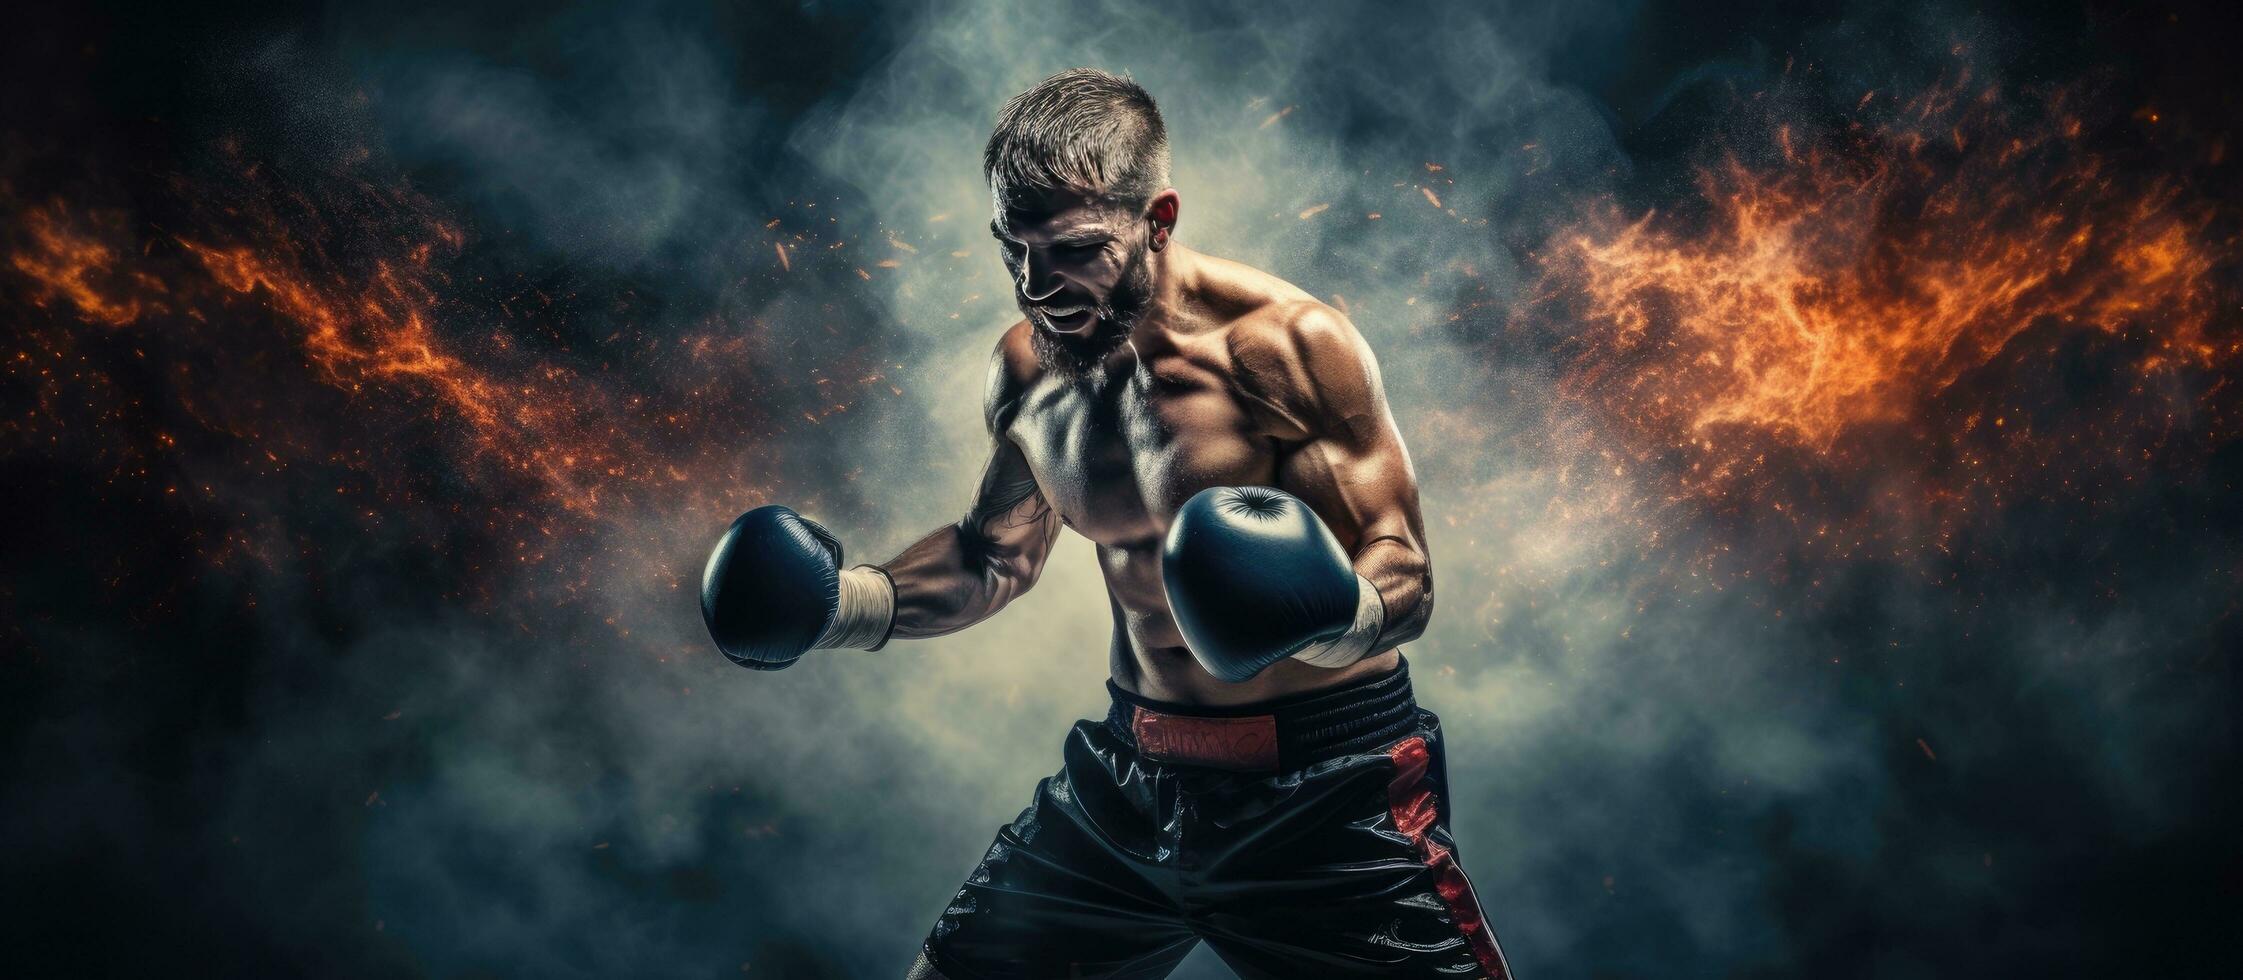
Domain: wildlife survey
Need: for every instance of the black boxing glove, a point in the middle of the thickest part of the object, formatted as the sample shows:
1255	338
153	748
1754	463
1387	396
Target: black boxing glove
774	589
1253	577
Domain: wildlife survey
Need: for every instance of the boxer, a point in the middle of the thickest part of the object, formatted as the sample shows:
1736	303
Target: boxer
1263	781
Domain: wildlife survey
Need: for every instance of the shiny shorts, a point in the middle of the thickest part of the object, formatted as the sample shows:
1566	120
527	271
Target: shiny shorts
1305	837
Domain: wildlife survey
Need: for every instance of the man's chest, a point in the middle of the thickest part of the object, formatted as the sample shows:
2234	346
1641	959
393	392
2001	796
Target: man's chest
1117	461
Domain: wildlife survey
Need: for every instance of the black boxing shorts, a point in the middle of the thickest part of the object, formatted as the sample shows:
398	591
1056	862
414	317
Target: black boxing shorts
1301	837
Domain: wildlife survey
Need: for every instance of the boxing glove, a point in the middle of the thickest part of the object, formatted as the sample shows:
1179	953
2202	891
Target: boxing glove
774	589
1254	577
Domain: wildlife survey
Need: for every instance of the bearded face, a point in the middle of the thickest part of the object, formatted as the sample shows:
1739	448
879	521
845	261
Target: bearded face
1072	354
1081	273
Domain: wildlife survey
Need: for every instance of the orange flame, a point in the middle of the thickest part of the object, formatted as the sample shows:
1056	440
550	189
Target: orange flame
78	265
1831	289
355	279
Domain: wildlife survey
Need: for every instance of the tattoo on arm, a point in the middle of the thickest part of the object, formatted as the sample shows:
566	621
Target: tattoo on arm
1029	513
1014	502
1009	502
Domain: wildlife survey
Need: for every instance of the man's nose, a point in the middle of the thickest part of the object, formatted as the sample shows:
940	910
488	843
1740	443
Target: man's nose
1037	280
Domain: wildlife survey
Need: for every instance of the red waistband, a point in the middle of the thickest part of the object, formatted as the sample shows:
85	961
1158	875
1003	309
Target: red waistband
1365	714
1242	744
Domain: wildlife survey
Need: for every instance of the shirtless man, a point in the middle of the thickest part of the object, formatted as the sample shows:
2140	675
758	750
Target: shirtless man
1264	780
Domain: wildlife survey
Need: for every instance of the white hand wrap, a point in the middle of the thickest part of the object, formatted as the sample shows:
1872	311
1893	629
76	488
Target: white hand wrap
867	611
1360	639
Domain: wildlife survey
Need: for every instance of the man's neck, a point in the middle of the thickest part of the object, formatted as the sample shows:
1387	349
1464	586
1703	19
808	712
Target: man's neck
1170	269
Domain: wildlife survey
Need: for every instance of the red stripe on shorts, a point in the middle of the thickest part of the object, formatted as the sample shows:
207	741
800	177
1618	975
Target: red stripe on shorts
1414	810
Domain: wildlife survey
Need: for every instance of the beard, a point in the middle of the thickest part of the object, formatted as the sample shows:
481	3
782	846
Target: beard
1073	356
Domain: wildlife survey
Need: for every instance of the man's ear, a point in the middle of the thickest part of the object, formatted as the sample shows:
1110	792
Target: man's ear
1162	211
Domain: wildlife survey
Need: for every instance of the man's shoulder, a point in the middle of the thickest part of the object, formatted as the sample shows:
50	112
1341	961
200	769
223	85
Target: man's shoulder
1289	339
1013	369
1261	314
1282	345
1294	329
1240	293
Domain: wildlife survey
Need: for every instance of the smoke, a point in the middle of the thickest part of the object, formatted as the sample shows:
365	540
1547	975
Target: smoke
382	669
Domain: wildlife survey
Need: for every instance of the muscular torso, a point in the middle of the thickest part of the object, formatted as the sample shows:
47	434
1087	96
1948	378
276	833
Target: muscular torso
1116	454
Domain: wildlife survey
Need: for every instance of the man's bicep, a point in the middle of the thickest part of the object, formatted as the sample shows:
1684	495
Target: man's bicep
1360	481
1010	522
1352	466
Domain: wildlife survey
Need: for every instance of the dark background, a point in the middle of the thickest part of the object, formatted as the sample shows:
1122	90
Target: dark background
376	378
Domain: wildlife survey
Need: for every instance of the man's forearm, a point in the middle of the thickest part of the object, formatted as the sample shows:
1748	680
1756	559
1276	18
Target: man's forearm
1386	615
1404	581
952	579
